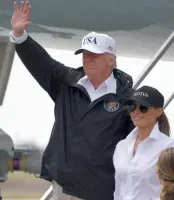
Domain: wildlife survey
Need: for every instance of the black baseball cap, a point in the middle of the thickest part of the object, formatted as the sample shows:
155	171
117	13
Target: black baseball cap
146	96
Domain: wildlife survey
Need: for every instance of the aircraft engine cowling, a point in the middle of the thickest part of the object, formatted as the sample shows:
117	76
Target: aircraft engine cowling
18	159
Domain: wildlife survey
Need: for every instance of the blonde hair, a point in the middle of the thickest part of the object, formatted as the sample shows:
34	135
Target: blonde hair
165	172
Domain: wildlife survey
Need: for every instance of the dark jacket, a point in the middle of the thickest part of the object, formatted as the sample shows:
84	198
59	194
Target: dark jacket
84	135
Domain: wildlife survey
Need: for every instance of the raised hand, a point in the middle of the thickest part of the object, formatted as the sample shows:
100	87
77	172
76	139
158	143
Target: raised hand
20	19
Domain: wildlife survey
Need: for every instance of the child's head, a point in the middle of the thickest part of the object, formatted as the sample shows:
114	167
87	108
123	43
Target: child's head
165	170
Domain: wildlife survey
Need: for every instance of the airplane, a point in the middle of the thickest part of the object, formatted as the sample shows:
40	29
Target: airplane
139	28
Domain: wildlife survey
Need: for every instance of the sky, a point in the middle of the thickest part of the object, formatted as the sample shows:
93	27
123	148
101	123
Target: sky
27	112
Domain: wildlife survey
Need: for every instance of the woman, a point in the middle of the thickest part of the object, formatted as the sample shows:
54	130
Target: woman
165	171
135	158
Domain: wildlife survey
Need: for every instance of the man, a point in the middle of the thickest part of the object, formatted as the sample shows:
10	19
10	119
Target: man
89	120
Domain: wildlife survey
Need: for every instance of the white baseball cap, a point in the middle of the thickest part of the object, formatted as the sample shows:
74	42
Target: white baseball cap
98	43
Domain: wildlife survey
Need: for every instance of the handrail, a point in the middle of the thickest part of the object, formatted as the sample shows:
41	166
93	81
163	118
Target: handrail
162	50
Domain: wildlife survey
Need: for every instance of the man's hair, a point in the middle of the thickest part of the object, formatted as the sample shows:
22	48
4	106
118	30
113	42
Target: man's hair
114	65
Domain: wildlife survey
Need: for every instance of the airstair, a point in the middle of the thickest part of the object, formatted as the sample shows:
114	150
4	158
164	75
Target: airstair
6	67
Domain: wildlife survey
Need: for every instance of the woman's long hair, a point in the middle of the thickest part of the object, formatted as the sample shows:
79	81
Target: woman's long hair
163	123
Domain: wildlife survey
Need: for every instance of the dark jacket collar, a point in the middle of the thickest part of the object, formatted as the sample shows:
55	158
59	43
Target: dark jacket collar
124	81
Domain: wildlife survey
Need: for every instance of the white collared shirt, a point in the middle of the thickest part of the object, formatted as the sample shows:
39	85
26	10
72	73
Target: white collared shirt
108	86
135	177
18	40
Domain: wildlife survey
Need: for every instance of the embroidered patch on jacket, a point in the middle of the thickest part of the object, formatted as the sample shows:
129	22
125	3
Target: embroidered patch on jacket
111	106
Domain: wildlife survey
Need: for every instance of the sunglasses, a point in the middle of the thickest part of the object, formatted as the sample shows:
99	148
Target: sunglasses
133	107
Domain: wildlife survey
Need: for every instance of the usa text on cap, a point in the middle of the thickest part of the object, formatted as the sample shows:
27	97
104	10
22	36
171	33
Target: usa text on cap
98	43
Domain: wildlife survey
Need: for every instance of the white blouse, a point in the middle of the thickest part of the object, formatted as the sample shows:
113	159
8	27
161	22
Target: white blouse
135	177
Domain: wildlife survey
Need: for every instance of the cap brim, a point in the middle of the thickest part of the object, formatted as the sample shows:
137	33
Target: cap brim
137	101
93	49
